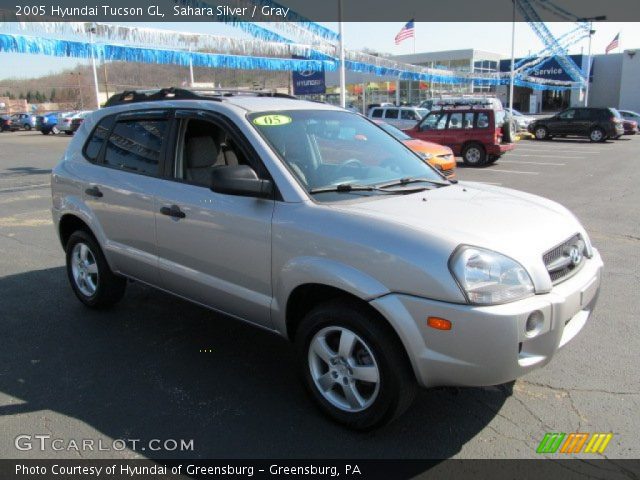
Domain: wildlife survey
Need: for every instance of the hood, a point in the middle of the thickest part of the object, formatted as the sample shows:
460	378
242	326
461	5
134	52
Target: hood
517	224
427	147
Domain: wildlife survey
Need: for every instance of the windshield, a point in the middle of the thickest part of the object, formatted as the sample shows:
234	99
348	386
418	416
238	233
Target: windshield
325	148
395	132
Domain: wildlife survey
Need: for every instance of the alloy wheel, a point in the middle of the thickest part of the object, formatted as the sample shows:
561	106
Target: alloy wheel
344	369
84	269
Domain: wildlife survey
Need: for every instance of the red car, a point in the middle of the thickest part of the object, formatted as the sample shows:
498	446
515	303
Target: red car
472	132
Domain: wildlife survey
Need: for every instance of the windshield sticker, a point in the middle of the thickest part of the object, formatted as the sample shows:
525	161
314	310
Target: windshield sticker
271	120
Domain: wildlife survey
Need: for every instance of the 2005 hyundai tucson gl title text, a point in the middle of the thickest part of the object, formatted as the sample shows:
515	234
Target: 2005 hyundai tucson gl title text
313	222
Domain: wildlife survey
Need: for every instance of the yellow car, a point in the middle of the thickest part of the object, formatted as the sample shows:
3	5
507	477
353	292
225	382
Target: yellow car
437	156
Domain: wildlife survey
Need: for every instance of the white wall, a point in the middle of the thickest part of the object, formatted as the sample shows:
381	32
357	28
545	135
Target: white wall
605	88
630	83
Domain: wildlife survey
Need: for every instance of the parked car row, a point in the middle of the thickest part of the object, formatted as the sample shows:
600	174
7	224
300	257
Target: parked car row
597	124
56	122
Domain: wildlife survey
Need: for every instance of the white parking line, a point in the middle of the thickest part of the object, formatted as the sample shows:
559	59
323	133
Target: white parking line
559	149
533	163
543	156
492	183
508	171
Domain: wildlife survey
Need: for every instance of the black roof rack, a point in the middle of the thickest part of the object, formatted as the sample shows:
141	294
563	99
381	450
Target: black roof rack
172	93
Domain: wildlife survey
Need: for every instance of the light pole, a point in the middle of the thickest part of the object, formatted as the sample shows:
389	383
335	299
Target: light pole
92	30
513	44
77	75
591	32
343	79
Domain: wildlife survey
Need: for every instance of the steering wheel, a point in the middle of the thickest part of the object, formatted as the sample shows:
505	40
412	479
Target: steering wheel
351	163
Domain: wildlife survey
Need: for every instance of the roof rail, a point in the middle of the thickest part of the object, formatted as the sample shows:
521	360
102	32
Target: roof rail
172	93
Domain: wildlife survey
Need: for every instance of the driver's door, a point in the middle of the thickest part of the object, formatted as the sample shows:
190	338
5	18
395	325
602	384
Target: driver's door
213	248
431	128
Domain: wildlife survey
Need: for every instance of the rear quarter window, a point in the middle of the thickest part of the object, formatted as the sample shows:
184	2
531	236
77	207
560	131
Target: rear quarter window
97	138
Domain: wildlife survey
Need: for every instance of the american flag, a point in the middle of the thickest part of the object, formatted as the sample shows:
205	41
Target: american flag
613	45
408	31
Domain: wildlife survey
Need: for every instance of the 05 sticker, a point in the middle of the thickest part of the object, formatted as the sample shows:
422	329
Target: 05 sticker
271	120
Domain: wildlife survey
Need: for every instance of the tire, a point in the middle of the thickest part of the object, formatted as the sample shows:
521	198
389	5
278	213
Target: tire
541	133
91	279
55	130
68	132
375	350
509	131
474	155
597	135
27	127
45	132
492	159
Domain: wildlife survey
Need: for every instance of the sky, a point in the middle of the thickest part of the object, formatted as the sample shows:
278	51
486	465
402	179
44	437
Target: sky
430	37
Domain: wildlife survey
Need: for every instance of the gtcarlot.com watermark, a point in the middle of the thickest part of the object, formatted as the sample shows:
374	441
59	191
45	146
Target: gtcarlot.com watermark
46	442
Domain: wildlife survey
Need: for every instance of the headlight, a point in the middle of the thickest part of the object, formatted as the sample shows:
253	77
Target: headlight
424	155
488	277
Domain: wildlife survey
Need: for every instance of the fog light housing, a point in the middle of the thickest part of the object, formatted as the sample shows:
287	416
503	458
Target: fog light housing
534	324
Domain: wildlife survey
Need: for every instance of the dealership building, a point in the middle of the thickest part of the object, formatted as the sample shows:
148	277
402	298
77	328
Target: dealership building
615	81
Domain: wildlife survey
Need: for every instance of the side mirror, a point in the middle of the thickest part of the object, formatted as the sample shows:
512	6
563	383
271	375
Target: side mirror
240	180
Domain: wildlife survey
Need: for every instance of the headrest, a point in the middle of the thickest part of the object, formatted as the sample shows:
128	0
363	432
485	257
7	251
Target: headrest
201	152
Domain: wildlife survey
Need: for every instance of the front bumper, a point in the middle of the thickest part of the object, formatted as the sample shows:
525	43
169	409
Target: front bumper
488	345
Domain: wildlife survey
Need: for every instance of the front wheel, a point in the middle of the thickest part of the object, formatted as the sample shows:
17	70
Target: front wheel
597	135
474	155
354	365
55	130
541	133
92	280
27	127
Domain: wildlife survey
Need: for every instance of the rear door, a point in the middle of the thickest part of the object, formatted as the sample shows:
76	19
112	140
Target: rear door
581	123
391	116
563	123
120	184
459	130
214	248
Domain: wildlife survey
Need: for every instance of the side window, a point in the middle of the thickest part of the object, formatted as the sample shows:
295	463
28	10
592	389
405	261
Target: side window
483	120
377	113
134	146
468	120
431	121
203	145
442	122
408	115
391	113
97	138
568	114
455	122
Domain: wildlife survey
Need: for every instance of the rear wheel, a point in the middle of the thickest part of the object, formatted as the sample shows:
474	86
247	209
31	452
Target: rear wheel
27	127
45	132
92	280
541	133
597	135
68	132
353	365
474	155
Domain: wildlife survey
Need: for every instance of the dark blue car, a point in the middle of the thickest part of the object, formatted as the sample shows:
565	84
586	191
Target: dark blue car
47	123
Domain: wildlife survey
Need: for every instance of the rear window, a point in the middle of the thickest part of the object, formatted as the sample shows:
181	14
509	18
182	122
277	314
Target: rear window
483	120
97	138
134	145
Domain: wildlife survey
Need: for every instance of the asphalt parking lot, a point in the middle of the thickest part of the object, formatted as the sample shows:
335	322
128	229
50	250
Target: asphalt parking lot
140	370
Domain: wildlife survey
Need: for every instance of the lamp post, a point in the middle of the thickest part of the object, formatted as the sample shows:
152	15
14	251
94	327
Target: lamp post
343	81
77	75
513	44
92	29
591	32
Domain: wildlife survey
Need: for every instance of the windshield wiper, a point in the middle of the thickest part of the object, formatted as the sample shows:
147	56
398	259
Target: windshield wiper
354	187
408	180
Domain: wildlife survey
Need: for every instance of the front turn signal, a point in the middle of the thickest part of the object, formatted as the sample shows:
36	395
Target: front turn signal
439	323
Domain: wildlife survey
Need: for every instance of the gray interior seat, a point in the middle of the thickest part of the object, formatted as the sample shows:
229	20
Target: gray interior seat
201	155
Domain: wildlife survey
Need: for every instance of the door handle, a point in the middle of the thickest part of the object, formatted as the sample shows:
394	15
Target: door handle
173	211
94	192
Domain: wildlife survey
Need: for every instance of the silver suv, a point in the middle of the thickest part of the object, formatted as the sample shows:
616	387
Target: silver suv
314	223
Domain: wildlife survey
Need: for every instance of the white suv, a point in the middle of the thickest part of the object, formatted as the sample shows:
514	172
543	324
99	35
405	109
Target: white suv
403	118
314	223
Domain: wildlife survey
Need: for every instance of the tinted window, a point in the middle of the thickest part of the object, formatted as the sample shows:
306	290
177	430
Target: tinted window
377	113
97	138
135	145
568	114
391	113
483	120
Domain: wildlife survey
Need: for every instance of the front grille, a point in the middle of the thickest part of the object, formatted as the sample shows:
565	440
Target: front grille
447	173
565	259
